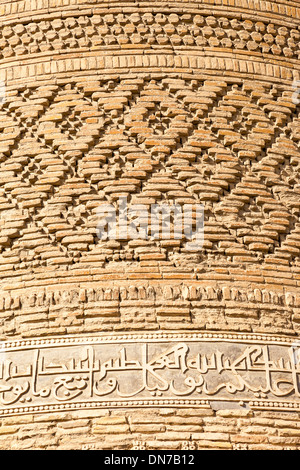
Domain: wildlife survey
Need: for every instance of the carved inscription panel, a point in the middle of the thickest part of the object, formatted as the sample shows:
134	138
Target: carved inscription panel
149	370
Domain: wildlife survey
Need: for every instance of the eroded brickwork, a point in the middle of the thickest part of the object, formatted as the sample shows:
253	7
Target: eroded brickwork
171	429
178	102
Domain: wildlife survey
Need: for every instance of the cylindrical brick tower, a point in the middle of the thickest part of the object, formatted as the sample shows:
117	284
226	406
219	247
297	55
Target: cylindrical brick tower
141	342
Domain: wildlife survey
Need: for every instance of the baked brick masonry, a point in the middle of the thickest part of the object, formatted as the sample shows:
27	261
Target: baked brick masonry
142	344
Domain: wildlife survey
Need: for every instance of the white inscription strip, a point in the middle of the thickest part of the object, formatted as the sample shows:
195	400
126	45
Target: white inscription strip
150	369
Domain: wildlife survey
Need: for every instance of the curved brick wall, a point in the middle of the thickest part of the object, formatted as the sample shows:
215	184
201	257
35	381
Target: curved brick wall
190	102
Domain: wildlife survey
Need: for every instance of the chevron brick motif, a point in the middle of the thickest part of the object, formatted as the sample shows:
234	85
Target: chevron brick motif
66	150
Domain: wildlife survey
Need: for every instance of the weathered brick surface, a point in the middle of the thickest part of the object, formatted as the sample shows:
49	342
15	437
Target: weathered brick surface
153	429
157	101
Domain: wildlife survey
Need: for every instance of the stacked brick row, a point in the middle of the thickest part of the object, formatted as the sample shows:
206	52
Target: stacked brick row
171	429
107	32
36	313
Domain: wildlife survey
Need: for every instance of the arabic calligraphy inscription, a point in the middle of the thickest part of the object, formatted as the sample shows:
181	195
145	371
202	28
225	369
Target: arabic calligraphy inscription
145	369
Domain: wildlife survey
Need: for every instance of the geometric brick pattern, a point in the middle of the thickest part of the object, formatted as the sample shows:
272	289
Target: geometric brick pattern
146	30
67	149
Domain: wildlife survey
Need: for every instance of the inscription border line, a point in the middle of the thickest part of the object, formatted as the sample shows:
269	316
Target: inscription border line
62	341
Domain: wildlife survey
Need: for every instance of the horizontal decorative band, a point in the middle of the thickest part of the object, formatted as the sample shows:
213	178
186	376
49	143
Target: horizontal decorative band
147	31
21	8
122	64
61	341
108	404
115	295
139	370
261	405
148	370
